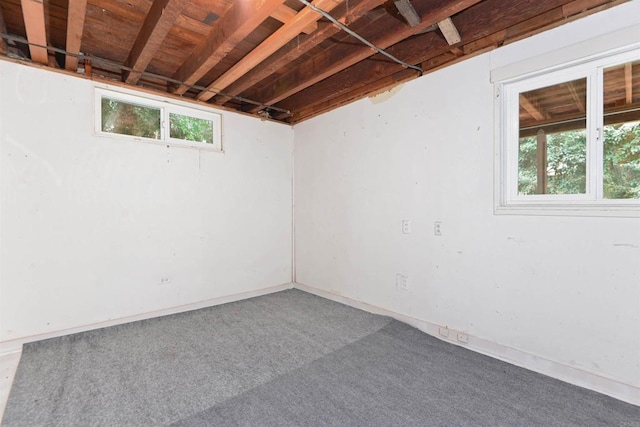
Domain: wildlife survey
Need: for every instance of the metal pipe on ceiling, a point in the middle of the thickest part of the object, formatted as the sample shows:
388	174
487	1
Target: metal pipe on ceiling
359	37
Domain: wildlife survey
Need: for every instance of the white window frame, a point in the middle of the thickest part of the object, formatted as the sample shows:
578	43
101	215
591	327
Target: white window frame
507	90
166	107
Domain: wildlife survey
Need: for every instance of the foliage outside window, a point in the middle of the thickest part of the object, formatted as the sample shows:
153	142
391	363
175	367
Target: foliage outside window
150	120
571	138
565	164
622	161
190	128
130	119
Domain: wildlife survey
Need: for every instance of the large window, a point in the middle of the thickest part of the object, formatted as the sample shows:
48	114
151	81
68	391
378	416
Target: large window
570	138
146	119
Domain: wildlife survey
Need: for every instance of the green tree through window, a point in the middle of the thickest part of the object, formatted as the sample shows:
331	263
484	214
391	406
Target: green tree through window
566	162
622	161
130	119
190	128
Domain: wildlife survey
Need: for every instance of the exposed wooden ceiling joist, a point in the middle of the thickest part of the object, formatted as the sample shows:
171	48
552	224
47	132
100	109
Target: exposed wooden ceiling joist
285	14
159	20
337	58
75	26
449	31
296	48
274	42
33	13
408	12
227	32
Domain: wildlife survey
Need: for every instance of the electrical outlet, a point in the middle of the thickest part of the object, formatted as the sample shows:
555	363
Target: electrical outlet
406	226
463	338
402	282
165	280
437	228
443	331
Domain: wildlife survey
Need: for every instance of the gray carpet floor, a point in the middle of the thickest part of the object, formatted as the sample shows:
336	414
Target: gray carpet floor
288	358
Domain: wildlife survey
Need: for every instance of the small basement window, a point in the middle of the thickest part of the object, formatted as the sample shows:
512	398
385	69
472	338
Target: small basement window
151	120
186	127
570	139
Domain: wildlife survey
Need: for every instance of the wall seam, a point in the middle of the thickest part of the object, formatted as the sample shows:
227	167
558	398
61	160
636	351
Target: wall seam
293	206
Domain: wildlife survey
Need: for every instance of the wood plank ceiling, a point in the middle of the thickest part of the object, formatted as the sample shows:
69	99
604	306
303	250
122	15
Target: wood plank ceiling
279	59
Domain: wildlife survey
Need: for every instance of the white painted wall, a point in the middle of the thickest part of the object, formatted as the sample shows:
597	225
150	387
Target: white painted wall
563	289
90	224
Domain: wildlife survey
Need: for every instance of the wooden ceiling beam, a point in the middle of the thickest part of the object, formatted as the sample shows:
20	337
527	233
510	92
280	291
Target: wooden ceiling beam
285	14
274	42
296	48
33	13
75	27
354	82
408	12
338	58
161	17
449	31
239	21
628	83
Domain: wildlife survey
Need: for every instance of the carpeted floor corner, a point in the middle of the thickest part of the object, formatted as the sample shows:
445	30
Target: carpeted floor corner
288	358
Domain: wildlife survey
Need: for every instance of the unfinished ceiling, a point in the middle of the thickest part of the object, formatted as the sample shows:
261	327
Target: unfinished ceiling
280	59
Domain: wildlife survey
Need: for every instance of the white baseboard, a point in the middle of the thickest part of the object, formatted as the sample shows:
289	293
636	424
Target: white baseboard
609	386
15	345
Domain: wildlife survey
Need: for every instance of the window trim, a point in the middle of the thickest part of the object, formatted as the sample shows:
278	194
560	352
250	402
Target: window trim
166	106
507	85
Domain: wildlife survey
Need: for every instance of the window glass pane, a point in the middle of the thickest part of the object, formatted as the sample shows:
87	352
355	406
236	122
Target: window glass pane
621	134
130	119
552	155
191	128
